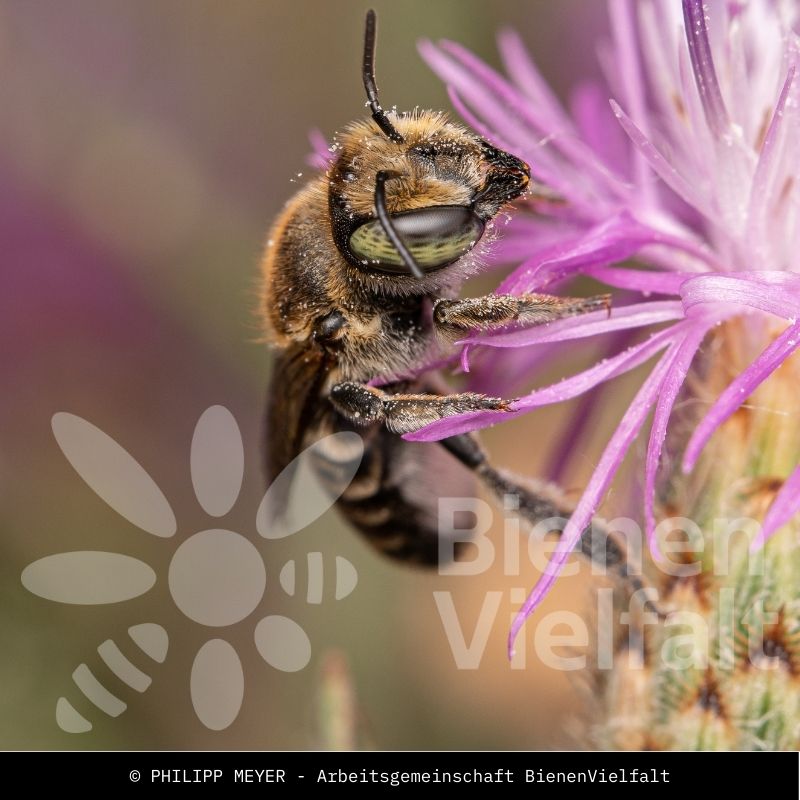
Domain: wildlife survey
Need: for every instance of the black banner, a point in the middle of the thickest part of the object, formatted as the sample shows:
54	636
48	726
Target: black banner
541	774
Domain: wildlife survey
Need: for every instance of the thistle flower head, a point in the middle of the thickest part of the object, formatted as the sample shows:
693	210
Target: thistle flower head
692	171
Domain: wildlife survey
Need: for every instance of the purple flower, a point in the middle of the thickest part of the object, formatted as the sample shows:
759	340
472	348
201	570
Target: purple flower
691	170
321	155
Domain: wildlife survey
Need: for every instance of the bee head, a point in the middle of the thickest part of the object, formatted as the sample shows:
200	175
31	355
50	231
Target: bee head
411	194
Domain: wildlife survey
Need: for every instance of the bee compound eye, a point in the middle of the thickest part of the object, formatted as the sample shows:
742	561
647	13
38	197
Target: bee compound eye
436	236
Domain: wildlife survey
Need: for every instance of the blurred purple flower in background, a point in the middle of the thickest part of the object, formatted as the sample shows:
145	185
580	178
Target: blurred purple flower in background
691	170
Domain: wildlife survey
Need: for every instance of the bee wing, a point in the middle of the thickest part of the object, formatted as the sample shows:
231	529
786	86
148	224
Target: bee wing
310	485
293	404
310	461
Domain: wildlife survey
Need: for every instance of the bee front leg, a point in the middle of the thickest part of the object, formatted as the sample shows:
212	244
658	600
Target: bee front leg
453	318
404	413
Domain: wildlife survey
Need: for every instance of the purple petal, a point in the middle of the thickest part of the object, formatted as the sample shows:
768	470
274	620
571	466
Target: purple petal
482	88
623	26
739	390
769	159
453	426
616	239
705	75
597	127
543	169
584	416
506	130
685	244
633	316
661	66
566	389
610	461
320	156
680	361
537	118
524	235
507	372
519	65
575	171
769	290
464	360
568	443
698	139
785	505
610	368
661	166
473	121
640	280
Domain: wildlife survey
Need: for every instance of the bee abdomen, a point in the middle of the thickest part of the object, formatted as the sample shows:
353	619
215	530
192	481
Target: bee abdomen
386	504
393	526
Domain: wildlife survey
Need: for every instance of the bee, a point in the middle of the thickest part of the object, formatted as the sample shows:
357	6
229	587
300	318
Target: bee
361	277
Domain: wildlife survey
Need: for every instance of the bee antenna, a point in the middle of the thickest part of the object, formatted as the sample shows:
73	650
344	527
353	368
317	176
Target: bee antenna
368	70
386	222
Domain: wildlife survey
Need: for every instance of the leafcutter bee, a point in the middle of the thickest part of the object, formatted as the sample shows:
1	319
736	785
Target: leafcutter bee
360	291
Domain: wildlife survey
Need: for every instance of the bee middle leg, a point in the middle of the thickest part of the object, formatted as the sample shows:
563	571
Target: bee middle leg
404	413
401	413
536	501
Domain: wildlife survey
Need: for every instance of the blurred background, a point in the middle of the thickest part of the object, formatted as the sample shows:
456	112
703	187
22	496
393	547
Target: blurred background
145	147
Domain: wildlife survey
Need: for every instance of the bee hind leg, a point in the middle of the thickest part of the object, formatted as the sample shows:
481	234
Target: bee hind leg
537	501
